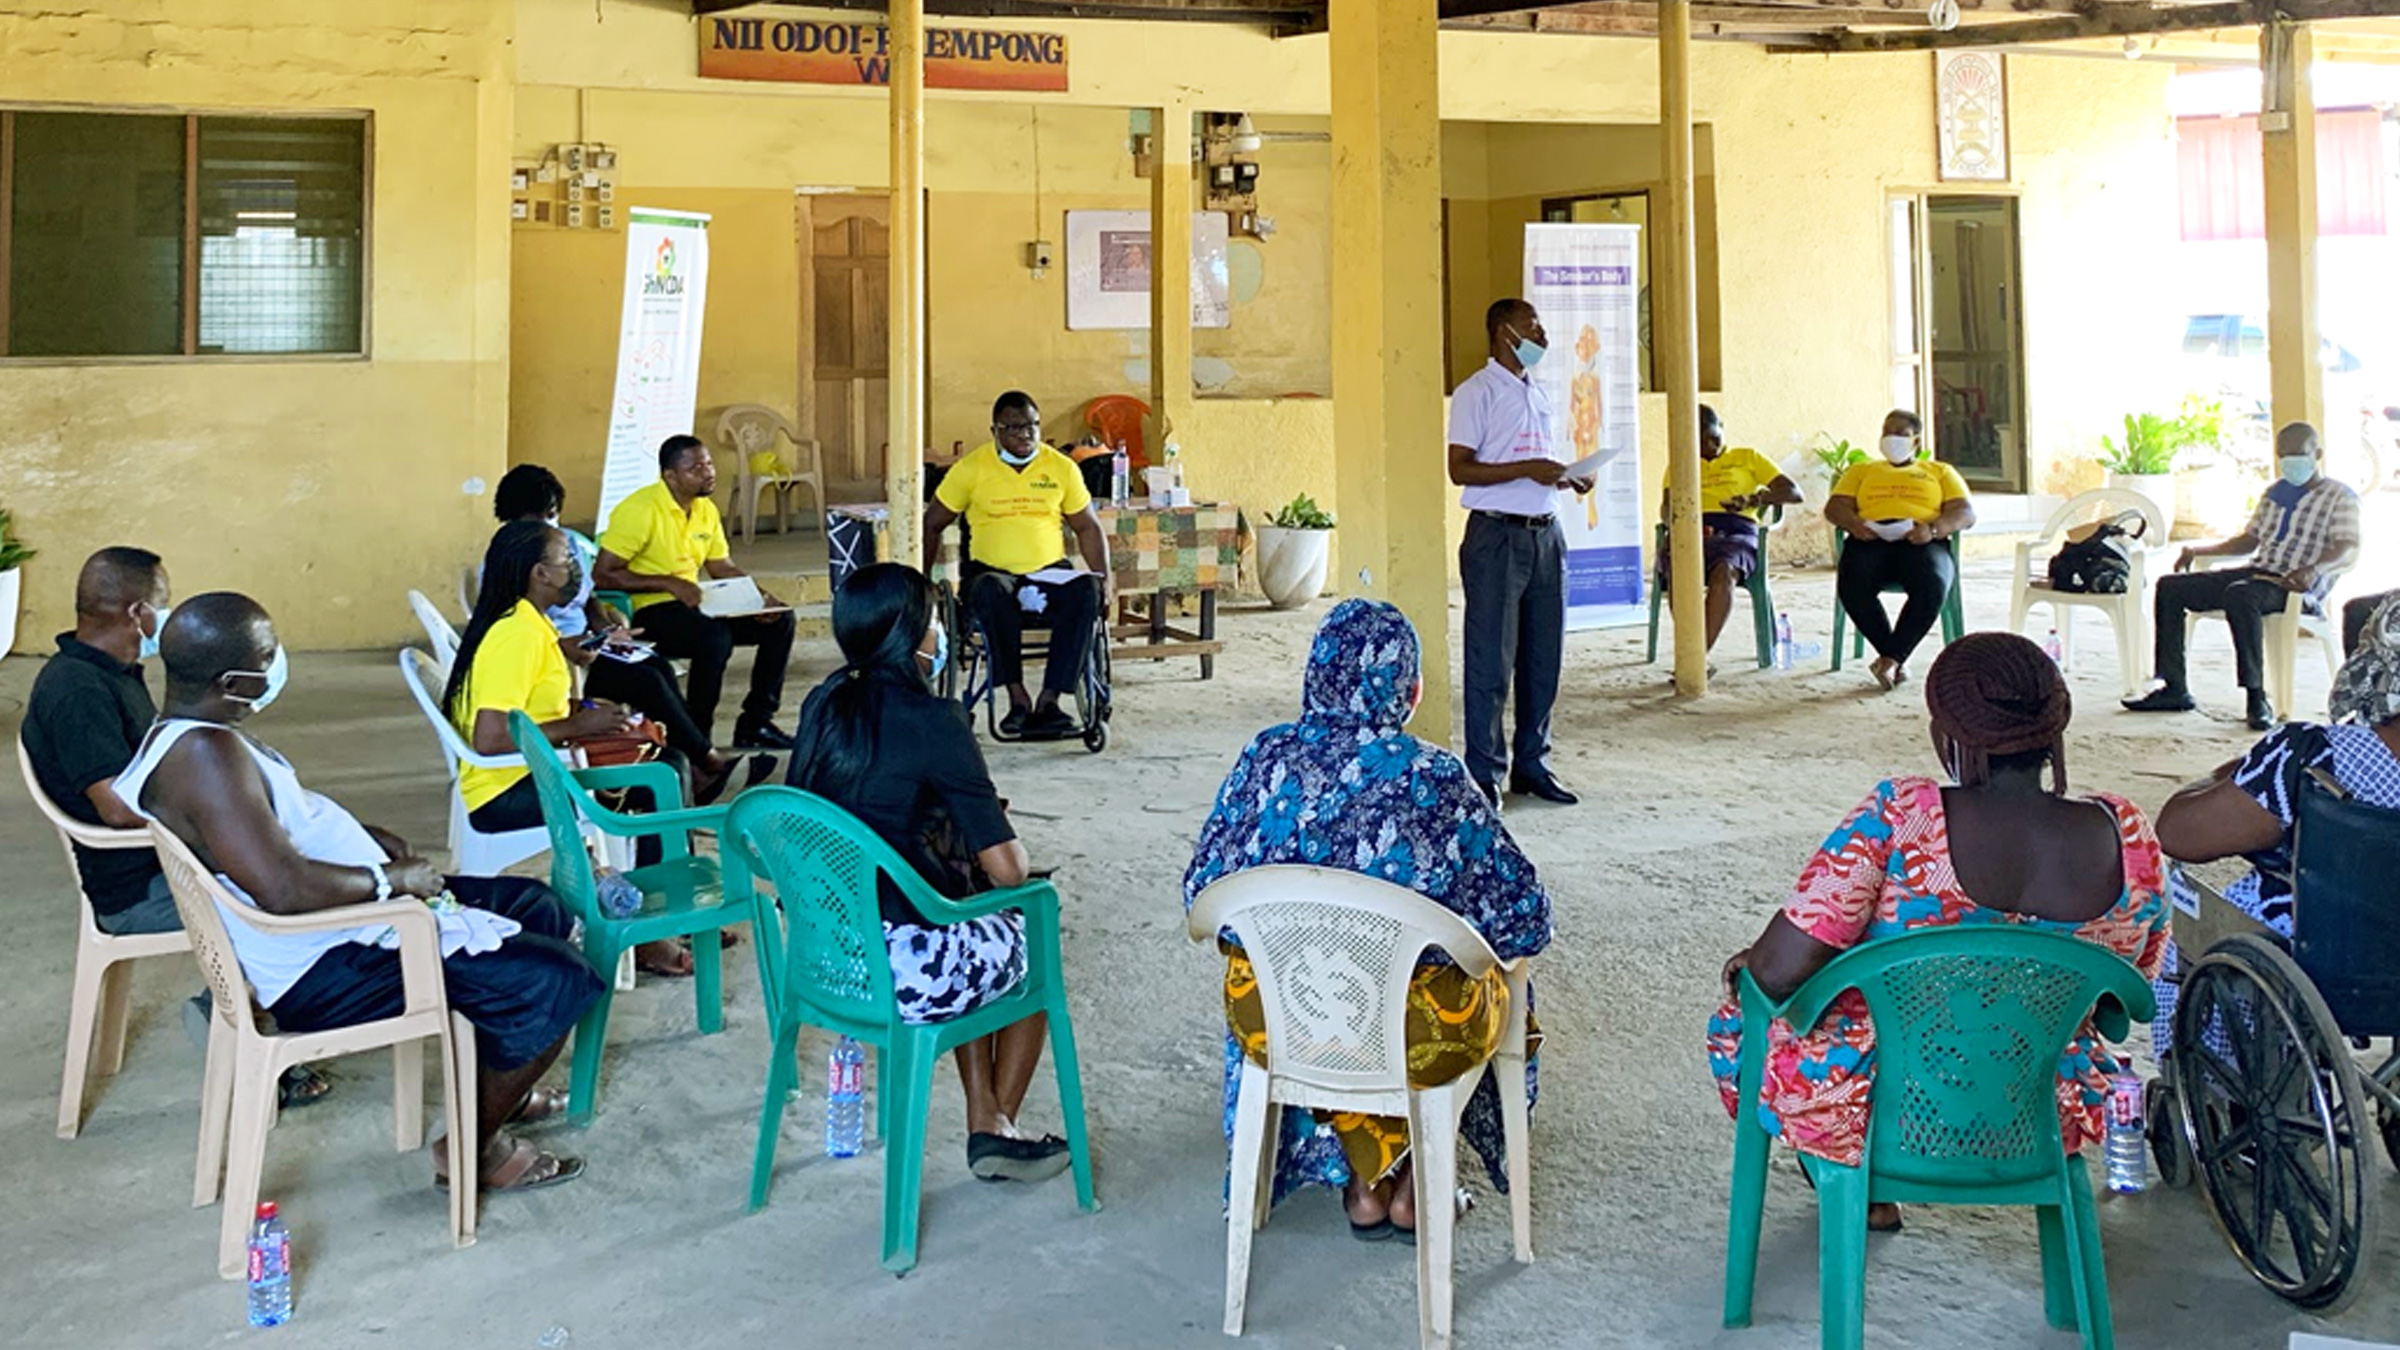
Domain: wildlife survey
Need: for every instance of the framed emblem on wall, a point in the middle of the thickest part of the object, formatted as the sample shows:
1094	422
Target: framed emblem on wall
1970	99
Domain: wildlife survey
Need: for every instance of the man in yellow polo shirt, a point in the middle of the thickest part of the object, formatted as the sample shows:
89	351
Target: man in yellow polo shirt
1897	511
657	545
1019	498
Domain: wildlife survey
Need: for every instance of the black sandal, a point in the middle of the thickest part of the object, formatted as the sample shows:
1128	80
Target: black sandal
999	1157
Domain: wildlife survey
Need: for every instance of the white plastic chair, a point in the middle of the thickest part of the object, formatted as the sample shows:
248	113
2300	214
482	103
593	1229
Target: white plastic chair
748	429
437	631
2128	613
237	1093
2279	652
1335	952
97	1005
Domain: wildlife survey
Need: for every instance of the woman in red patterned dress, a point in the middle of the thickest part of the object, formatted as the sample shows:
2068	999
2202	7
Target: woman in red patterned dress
1998	845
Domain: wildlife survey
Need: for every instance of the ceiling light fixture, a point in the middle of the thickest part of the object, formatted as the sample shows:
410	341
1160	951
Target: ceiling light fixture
1942	14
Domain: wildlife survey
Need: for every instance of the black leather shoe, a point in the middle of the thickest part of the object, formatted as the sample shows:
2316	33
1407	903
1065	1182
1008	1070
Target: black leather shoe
1491	793
1012	722
2165	698
761	736
1547	787
2260	712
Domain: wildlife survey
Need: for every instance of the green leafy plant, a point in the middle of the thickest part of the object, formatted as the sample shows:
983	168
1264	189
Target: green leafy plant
12	549
2153	440
1837	456
1301	513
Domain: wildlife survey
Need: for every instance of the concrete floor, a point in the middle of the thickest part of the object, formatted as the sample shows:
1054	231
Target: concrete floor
1696	817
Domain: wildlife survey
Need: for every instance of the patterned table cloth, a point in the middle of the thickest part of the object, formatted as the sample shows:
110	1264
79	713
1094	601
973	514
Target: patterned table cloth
1173	548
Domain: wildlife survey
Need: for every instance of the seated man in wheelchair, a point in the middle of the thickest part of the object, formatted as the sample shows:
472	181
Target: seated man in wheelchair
1020	498
2248	807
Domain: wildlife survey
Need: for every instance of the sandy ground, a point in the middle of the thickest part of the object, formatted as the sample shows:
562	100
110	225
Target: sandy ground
1695	818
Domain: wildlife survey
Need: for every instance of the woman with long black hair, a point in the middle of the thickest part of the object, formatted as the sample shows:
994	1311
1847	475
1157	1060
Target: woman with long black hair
877	741
509	660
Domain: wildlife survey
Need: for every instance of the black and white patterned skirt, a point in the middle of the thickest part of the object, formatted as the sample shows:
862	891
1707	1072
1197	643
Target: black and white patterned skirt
949	971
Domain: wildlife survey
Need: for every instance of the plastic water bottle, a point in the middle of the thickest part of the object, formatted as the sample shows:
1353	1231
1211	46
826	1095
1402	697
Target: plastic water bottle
2056	653
1120	476
845	1100
2128	1147
270	1269
1783	641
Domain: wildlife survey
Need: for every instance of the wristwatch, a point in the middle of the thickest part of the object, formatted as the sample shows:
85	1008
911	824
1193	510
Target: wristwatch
383	883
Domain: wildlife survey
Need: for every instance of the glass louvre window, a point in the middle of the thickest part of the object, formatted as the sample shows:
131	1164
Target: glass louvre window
282	234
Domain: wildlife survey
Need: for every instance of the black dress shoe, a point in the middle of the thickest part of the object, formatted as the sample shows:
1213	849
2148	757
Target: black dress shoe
1012	722
1547	787
1491	793
1051	724
2165	698
761	736
2260	712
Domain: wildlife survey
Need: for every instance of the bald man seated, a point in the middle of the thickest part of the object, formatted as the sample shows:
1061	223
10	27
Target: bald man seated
507	963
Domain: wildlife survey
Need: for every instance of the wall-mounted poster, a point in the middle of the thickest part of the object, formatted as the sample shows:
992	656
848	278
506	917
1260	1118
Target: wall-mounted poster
1970	97
1108	270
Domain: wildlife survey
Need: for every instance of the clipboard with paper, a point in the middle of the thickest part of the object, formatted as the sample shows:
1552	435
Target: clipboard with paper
733	598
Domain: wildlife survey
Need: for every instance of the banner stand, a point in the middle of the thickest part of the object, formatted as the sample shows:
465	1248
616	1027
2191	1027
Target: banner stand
658	347
1581	278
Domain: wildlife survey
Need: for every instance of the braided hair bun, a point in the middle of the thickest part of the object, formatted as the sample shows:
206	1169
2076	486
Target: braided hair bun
1996	695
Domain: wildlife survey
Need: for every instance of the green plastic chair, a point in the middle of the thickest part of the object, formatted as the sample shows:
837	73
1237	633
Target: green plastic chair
822	962
1970	1023
1762	600
681	894
1954	606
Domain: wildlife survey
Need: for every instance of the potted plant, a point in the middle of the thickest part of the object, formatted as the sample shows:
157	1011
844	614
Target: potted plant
2145	463
13	553
1834	457
1292	552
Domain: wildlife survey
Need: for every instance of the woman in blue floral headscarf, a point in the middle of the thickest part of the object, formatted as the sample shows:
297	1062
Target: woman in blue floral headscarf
1347	787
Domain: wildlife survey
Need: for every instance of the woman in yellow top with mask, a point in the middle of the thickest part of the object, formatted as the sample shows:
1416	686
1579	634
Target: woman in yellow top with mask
1897	511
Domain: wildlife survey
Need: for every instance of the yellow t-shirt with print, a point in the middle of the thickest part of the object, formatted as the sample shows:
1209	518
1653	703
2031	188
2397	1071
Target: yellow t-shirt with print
1737	471
1911	491
658	538
1015	517
517	665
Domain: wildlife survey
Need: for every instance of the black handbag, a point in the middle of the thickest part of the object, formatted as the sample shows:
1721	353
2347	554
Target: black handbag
2097	559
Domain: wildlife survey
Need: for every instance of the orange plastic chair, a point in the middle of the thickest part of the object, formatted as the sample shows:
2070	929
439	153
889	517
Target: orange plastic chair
237	1093
97	1007
1119	417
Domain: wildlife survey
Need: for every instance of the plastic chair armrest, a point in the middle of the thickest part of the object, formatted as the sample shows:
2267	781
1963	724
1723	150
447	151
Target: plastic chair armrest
665	787
402	913
1036	898
633	825
102	836
2110	1018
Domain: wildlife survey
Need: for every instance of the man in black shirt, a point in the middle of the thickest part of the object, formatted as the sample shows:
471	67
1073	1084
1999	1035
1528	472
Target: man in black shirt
89	710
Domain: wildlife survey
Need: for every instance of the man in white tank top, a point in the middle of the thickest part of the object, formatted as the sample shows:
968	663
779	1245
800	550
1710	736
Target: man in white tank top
507	962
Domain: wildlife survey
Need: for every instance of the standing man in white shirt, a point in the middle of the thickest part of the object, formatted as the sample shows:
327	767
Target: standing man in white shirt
1513	560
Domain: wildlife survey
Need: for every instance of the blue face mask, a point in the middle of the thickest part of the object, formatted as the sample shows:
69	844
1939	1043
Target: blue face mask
940	660
1529	353
158	625
2299	470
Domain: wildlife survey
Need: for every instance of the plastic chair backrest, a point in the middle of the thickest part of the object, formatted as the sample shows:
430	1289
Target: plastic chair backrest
562	815
2346	906
1119	417
437	630
750	429
69	828
425	678
824	864
1334	952
2101	504
197	894
1970	1022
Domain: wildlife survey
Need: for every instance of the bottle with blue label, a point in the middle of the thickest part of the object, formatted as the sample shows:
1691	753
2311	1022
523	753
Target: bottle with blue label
270	1269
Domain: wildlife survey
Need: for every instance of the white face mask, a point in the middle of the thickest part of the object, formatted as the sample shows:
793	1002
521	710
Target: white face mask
939	658
158	625
1899	449
278	671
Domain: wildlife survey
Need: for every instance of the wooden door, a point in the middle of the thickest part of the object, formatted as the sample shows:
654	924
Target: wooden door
845	336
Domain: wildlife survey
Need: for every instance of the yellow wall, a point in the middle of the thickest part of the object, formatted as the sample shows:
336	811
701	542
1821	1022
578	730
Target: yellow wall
324	488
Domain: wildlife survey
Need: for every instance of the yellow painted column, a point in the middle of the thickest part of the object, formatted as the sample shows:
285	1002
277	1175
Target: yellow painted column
1391	489
1676	316
2288	127
1170	275
904	465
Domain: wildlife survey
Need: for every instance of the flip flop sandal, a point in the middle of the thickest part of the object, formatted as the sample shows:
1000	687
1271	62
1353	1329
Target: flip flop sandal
1379	1231
662	972
541	1105
525	1169
998	1157
301	1086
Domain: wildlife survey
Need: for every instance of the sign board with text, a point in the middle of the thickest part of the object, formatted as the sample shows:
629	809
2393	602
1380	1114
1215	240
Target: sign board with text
837	51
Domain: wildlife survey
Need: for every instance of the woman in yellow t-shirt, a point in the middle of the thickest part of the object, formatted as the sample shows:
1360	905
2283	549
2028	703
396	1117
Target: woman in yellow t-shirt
1736	488
1897	511
509	659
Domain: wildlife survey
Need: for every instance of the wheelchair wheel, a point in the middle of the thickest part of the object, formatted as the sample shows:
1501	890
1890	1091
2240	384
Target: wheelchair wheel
2276	1120
2162	1125
1095	738
2389	1123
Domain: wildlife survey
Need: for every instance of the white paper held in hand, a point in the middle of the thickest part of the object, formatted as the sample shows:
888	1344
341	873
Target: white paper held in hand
1891	529
731	597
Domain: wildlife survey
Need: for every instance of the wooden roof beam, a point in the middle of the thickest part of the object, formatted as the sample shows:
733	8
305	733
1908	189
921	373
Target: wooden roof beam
2115	20
1268	13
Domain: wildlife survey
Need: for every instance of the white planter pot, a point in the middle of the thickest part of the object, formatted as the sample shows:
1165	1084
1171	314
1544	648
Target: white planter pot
1291	565
2159	488
11	584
